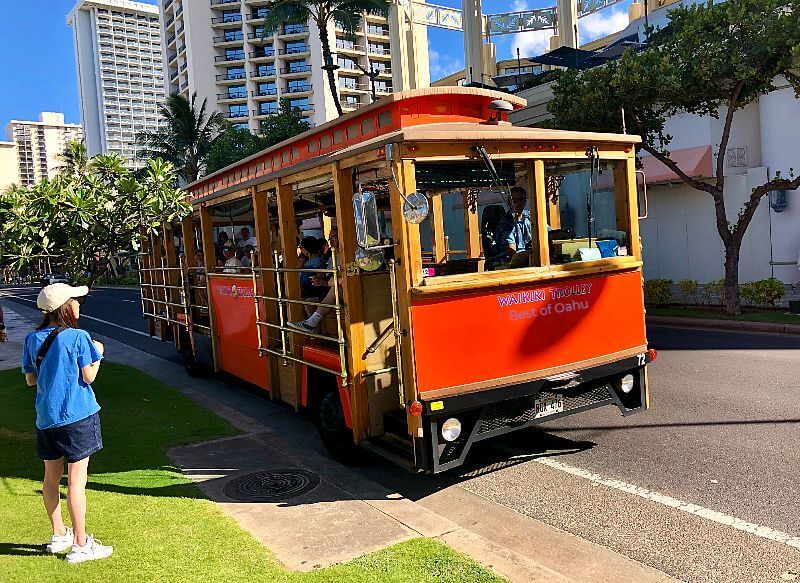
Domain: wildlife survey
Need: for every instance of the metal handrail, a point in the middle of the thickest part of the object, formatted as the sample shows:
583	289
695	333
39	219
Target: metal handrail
283	301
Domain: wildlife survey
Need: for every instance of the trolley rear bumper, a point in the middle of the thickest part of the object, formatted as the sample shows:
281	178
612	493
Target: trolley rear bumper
487	414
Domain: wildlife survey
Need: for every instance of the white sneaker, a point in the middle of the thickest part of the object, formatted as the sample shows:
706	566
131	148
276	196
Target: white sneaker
61	543
91	551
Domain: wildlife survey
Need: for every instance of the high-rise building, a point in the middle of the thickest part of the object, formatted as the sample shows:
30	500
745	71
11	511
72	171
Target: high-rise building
9	167
40	144
221	50
120	73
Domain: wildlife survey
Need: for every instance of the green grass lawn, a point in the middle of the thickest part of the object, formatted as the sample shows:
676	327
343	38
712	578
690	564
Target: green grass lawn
161	527
776	317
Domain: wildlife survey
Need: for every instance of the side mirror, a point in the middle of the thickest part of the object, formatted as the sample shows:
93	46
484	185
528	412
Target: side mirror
641	193
365	212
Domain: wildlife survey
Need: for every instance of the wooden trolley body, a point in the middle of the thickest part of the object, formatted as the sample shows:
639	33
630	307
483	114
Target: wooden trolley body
428	337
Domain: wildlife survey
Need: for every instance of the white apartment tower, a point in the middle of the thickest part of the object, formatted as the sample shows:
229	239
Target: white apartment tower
220	50
120	73
39	145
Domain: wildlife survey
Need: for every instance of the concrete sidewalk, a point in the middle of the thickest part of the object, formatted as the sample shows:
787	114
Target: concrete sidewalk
735	325
276	480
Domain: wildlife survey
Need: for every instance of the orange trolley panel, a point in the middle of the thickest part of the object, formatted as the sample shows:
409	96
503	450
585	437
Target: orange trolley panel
235	317
492	334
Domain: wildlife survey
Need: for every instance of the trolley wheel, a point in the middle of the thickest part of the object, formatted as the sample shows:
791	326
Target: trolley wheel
333	432
193	368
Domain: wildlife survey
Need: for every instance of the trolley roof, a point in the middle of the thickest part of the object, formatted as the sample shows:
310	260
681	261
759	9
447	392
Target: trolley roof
440	114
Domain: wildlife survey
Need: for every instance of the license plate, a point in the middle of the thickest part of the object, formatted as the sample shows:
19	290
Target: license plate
548	406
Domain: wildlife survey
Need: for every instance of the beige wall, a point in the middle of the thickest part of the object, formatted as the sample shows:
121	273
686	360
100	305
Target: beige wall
8	165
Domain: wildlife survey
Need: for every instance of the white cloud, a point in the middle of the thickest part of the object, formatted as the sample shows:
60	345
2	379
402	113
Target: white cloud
601	24
530	44
442	65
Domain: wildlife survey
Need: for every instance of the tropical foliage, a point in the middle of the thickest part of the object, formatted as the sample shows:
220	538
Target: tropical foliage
185	137
345	13
235	144
84	220
713	59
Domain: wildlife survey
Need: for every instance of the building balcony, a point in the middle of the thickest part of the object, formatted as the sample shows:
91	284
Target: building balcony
265	54
171	39
258	75
229	40
171	57
296	70
229	59
354	87
377	31
349	47
349	67
235	114
261	113
290	29
229	20
231	77
338	26
380	52
256	16
225	3
304	88
385	72
350	105
299	50
256	37
231	98
264	92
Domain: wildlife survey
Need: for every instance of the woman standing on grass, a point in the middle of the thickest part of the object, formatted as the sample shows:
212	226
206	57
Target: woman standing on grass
62	361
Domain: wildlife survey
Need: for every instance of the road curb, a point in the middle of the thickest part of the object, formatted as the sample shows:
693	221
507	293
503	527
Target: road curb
736	325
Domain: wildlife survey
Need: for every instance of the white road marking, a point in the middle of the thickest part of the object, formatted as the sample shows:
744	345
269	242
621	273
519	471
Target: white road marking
688	507
139	332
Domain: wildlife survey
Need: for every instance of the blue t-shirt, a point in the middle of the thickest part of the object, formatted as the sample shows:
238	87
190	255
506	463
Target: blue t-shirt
515	231
62	396
305	276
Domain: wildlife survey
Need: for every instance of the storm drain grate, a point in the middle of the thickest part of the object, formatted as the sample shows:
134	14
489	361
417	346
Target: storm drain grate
271	485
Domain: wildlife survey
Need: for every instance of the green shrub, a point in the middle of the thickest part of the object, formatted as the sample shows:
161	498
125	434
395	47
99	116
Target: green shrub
714	289
658	292
763	292
688	289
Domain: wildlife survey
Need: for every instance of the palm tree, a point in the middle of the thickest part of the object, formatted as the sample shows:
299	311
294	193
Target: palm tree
186	136
75	158
346	13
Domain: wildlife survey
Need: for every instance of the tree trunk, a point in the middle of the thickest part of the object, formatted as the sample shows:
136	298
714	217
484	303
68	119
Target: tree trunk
327	59
732	301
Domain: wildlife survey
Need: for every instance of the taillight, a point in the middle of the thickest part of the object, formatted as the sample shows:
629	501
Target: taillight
415	408
653	354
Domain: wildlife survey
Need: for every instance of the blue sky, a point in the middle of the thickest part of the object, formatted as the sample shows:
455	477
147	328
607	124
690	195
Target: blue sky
38	68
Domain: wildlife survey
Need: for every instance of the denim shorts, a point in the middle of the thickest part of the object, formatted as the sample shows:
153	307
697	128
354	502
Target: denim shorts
74	441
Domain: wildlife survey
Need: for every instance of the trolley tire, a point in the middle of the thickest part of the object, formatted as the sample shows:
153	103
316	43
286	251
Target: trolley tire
193	368
333	432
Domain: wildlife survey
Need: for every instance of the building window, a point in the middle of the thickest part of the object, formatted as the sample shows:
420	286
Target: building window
378	49
267	108
235	73
231	16
231	35
240	126
347	63
235	91
261	12
234	54
348	82
295	47
265	70
267	88
294	28
237	111
297	66
297	85
301	103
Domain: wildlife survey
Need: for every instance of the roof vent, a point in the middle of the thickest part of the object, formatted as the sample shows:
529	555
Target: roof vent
498	108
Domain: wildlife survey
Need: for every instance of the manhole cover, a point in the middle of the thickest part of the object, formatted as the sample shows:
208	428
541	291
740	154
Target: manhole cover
271	486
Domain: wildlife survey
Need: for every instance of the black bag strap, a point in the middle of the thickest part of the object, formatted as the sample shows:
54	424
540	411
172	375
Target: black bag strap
48	342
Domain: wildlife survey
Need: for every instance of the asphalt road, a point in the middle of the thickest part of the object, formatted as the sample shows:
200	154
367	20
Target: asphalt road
705	486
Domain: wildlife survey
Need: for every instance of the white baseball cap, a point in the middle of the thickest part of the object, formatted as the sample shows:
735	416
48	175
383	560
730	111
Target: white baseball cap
56	295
